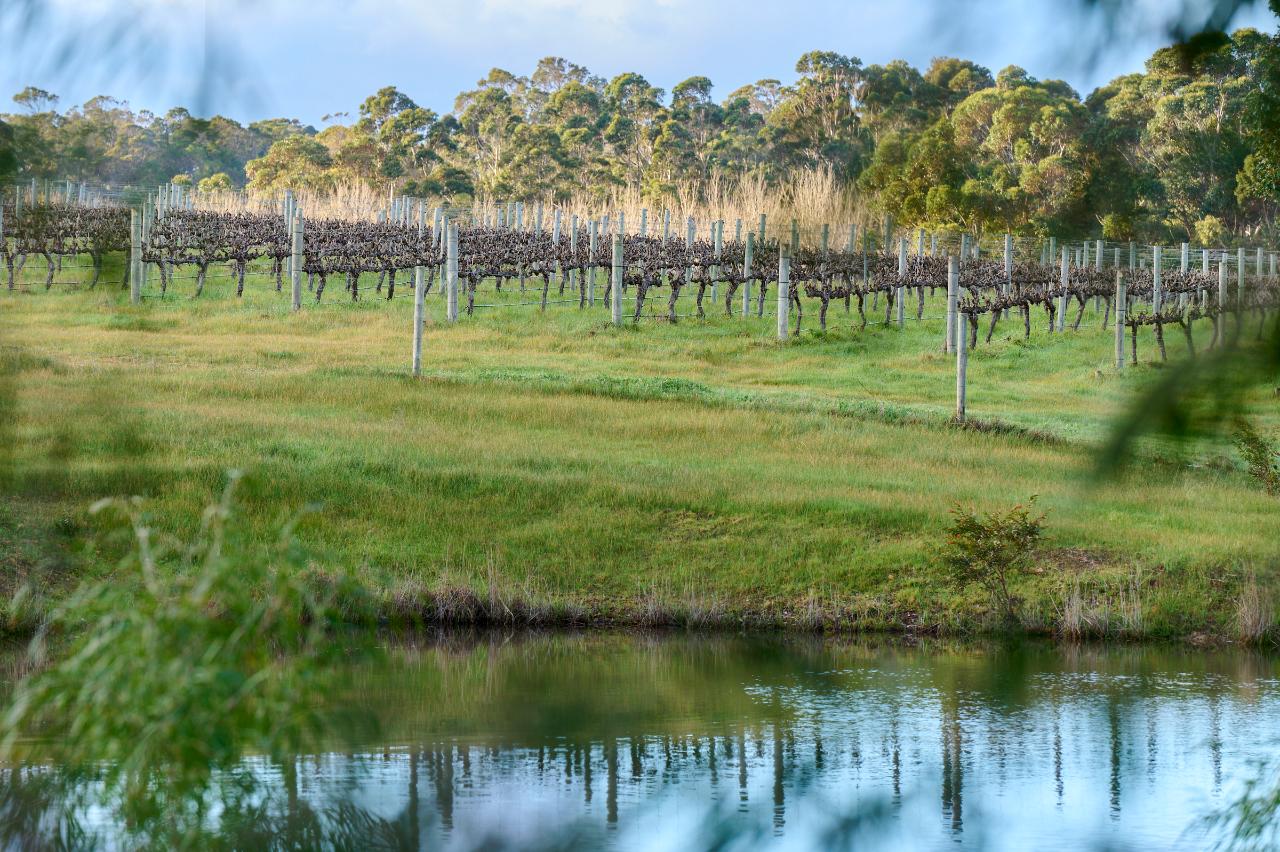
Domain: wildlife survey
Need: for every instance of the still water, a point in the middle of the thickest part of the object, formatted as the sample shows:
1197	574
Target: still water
672	742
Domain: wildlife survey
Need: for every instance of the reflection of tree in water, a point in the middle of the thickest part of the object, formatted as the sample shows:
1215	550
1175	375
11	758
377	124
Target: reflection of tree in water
992	721
514	742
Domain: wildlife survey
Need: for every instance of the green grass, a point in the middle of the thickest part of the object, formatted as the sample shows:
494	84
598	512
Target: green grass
702	466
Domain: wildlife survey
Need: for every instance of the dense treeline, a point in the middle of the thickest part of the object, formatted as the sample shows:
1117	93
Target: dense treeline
1179	151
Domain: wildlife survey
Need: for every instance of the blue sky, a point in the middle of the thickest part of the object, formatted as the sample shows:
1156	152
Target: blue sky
309	59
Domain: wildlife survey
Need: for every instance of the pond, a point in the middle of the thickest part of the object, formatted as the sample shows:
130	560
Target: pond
671	742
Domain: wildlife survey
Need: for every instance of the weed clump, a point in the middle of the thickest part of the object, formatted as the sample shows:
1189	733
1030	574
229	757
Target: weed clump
1260	455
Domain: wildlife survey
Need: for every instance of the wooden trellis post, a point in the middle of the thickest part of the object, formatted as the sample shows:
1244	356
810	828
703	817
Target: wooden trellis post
900	294
1122	313
1240	287
615	290
591	269
573	252
1222	298
419	311
962	367
717	235
691	232
1064	281
135	256
953	302
295	264
451	273
784	291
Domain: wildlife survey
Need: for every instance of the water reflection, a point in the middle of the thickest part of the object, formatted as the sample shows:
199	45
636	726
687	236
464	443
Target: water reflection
678	742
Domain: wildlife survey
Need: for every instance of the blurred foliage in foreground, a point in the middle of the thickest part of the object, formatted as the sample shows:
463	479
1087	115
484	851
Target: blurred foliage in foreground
151	685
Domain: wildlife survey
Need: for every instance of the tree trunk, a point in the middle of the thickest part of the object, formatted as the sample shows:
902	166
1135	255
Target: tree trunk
1075	326
642	289
1186	332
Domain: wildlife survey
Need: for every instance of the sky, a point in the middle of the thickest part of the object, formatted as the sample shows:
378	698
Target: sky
252	59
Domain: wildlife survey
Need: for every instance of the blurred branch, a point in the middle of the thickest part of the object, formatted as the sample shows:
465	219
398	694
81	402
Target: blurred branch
58	40
1197	397
1106	25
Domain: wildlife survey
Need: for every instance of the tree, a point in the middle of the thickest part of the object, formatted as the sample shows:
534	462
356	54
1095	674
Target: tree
220	182
956	79
35	100
8	152
635	115
897	98
295	162
817	121
487	118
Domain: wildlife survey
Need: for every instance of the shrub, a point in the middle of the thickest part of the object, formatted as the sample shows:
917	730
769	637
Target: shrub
1260	455
991	551
220	182
1117	227
1210	231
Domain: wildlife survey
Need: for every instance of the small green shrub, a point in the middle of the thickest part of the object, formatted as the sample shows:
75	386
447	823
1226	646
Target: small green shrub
1260	455
991	551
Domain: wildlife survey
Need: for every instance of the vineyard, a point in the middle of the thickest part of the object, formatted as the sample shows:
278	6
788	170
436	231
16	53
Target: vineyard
577	258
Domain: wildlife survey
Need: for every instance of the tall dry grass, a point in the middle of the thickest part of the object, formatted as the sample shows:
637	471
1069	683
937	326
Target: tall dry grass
351	201
812	198
1254	612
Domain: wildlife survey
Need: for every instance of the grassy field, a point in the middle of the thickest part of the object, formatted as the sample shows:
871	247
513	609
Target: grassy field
699	472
